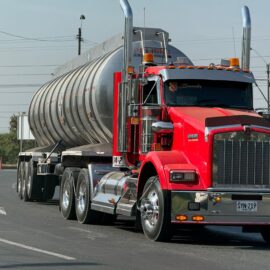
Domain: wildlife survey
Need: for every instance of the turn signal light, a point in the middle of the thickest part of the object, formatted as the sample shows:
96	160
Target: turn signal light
181	217
198	218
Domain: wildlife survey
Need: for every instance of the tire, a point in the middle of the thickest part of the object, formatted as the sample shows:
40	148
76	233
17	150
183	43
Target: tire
155	211
20	176
67	198
83	201
265	232
25	182
34	183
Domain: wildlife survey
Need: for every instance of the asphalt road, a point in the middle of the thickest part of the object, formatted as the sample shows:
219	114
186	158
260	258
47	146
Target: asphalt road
35	236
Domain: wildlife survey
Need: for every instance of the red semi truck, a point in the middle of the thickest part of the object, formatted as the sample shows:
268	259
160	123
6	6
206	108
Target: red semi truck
163	140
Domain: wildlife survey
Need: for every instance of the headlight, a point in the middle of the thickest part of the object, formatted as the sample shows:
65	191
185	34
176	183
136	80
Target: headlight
182	176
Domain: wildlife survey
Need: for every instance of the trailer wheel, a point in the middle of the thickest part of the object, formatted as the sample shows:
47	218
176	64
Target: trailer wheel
34	183
25	182
83	201
154	213
67	198
265	232
20	176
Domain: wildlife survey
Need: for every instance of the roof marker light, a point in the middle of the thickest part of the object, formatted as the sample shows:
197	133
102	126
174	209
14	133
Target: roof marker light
234	62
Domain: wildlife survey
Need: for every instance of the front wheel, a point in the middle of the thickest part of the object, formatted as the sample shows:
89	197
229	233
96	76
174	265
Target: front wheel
155	214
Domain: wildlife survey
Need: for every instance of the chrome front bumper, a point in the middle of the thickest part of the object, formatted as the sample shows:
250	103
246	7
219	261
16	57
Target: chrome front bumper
221	207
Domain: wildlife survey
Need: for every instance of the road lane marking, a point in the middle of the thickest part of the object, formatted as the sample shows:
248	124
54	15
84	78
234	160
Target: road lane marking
14	185
37	250
89	234
3	211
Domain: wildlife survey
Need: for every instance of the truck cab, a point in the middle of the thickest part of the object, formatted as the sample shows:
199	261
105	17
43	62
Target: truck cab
200	139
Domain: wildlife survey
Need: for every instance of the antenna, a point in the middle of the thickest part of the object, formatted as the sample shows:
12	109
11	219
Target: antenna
234	42
144	23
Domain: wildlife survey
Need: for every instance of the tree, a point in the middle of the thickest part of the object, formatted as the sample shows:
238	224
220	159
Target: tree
10	145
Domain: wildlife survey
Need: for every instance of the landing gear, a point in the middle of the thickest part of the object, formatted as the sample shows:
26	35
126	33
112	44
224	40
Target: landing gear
155	218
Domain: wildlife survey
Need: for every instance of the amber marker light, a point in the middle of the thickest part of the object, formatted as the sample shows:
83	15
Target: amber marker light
148	58
130	70
234	62
198	218
134	121
217	199
181	217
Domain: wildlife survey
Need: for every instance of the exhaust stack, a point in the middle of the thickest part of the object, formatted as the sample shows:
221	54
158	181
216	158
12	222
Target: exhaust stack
124	87
127	36
246	39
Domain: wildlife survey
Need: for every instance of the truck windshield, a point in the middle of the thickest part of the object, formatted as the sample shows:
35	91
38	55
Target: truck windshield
203	93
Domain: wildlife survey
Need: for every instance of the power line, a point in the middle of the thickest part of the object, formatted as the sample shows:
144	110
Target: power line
17	92
7	112
19	85
29	38
11	66
14	104
25	74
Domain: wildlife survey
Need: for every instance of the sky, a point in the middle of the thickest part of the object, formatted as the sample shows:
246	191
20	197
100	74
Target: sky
38	36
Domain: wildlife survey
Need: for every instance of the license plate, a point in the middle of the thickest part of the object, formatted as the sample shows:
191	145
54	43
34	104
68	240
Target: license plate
246	206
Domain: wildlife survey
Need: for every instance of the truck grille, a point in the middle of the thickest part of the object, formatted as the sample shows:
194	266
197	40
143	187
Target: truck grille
241	160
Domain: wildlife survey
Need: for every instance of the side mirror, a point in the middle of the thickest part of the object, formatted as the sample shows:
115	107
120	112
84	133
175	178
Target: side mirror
162	127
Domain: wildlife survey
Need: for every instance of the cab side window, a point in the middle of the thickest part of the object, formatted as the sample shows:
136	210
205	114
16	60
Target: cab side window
150	93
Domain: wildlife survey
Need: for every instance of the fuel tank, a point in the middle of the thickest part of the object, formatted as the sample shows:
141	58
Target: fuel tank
77	106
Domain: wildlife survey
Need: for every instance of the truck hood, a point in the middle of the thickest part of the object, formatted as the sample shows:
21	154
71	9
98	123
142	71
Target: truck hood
196	116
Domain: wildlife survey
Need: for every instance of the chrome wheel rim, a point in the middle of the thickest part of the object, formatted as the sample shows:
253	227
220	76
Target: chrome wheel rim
19	184
82	198
28	185
150	210
66	195
23	185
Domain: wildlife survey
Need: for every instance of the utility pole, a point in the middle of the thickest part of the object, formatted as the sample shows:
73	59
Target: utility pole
79	36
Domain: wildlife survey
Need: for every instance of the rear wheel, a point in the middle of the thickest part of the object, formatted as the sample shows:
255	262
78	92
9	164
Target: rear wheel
67	198
155	218
25	182
20	175
83	200
34	183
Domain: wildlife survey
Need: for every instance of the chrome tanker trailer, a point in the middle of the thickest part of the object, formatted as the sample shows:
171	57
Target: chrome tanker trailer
75	109
133	128
71	116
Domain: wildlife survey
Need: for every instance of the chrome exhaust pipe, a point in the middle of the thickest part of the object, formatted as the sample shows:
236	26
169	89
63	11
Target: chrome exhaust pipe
124	87
246	39
127	36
